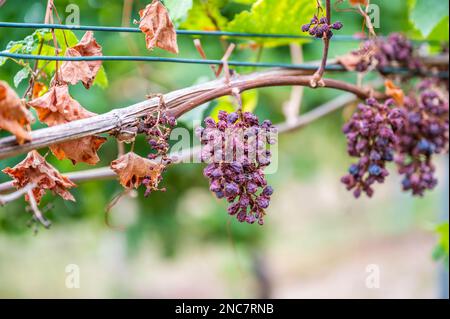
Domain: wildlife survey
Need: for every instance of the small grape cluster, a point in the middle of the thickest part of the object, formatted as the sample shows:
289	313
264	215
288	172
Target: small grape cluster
321	27
424	134
157	128
371	136
394	51
236	150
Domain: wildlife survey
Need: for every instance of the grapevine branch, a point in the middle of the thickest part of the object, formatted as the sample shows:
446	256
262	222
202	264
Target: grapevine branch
317	77
105	173
178	102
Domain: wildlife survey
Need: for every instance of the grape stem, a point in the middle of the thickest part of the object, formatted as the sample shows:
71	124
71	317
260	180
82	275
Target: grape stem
317	78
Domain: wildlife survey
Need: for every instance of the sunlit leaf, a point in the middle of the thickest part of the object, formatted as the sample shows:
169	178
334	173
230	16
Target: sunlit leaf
178	9
276	17
206	15
427	14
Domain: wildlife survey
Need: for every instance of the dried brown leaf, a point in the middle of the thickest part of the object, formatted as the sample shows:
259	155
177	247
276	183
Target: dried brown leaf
14	116
350	61
133	169
394	92
85	71
35	169
158	27
58	107
356	2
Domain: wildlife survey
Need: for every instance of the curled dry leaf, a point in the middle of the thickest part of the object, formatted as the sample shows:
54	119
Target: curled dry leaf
84	71
39	89
35	169
158	28
58	107
134	170
356	2
350	61
394	92
14	116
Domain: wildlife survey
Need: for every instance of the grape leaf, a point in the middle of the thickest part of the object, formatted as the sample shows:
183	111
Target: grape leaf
441	251
14	116
133	170
84	71
178	9
205	15
158	28
427	14
20	76
57	107
274	16
101	79
35	169
227	103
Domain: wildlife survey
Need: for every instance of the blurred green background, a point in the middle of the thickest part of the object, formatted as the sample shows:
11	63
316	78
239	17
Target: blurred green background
317	242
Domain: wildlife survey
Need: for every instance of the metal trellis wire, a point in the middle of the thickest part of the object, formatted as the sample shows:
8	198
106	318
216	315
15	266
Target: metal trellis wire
306	67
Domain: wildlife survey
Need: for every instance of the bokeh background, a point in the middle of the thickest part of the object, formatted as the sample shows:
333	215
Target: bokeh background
318	241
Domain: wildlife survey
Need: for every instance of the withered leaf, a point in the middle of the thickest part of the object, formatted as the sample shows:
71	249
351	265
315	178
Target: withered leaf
133	169
84	71
350	61
58	107
394	92
355	2
35	169
14	116
158	27
39	89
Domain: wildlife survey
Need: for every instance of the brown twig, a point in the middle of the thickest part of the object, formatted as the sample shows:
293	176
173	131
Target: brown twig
37	214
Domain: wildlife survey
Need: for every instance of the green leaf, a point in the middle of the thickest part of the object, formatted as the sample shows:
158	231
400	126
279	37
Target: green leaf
227	103
441	251
48	67
427	14
101	79
63	36
28	45
206	15
274	16
178	9
440	32
248	2
224	103
21	75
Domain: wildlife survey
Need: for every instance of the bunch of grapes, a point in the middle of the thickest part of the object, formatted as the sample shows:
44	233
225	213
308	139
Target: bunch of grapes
236	150
396	50
371	137
380	53
321	27
424	134
157	128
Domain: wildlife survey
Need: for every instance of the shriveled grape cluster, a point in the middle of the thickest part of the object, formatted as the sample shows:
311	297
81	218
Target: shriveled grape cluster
236	150
394	51
424	134
157	128
321	27
371	137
